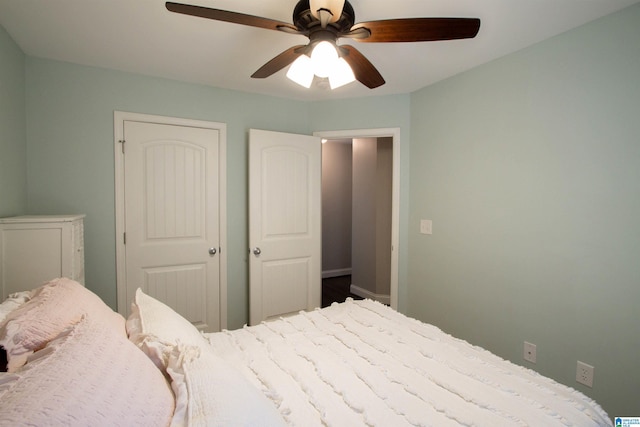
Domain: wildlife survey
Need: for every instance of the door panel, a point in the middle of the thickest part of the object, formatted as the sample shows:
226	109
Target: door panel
175	191
284	224
279	296
171	218
161	283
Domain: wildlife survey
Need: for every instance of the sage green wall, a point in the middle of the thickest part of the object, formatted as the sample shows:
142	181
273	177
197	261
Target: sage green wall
529	167
71	155
13	154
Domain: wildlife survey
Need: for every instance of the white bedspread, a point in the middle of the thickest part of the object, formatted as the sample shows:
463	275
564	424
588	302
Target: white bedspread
361	363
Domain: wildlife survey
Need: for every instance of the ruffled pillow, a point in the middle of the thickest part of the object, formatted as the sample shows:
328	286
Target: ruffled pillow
88	375
54	306
156	328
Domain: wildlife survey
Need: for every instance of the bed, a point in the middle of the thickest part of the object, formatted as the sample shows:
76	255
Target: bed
73	361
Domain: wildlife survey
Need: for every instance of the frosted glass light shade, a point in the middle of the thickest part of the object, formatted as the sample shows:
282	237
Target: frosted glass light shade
323	58
324	62
341	74
335	6
301	71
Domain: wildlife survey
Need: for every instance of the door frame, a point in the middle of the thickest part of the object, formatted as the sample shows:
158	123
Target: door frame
119	117
394	133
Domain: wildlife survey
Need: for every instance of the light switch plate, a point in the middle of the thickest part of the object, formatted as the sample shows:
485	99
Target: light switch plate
426	226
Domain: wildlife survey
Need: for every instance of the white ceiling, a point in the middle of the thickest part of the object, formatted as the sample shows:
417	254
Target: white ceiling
141	36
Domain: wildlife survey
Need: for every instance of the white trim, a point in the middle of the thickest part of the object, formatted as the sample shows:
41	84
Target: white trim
384	299
119	117
336	273
394	133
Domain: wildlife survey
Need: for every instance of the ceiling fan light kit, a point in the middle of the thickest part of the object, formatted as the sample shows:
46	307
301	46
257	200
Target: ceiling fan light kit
326	21
324	63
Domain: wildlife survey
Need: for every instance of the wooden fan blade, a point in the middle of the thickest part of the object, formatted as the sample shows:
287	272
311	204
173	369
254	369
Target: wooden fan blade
419	29
364	70
233	17
279	62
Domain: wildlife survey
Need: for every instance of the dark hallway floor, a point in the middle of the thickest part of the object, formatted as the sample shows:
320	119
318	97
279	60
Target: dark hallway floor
336	289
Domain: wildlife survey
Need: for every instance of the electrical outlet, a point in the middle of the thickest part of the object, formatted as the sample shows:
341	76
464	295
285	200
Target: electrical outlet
529	352
584	374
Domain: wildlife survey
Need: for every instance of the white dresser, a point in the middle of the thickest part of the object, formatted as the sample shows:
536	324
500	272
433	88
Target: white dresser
38	248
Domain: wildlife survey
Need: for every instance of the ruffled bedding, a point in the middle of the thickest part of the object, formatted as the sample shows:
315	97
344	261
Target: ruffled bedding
361	363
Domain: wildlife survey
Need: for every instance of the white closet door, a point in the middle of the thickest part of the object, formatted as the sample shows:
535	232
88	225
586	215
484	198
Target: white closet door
172	218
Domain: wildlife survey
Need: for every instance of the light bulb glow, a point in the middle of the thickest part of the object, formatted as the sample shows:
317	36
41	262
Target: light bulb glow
325	63
301	71
341	74
323	58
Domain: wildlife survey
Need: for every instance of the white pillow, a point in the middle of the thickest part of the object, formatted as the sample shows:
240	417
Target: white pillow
156	328
210	392
53	307
89	375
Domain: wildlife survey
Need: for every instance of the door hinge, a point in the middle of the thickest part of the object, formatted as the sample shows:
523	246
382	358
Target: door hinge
122	141
124	238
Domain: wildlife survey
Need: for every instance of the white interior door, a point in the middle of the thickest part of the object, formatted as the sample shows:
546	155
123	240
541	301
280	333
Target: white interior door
171	211
284	224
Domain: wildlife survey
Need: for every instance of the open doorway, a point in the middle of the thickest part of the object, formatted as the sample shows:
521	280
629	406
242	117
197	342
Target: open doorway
360	214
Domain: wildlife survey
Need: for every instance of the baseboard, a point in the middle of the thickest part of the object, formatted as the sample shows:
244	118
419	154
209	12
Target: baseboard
384	299
336	273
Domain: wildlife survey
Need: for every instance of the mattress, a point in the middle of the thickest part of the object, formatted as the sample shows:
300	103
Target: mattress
362	363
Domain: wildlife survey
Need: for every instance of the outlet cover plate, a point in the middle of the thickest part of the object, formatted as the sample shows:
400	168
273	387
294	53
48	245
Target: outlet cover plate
584	374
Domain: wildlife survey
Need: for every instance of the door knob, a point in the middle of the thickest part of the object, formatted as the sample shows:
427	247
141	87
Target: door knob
213	251
257	251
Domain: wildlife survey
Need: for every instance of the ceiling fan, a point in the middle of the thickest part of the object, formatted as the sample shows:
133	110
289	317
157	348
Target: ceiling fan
329	20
